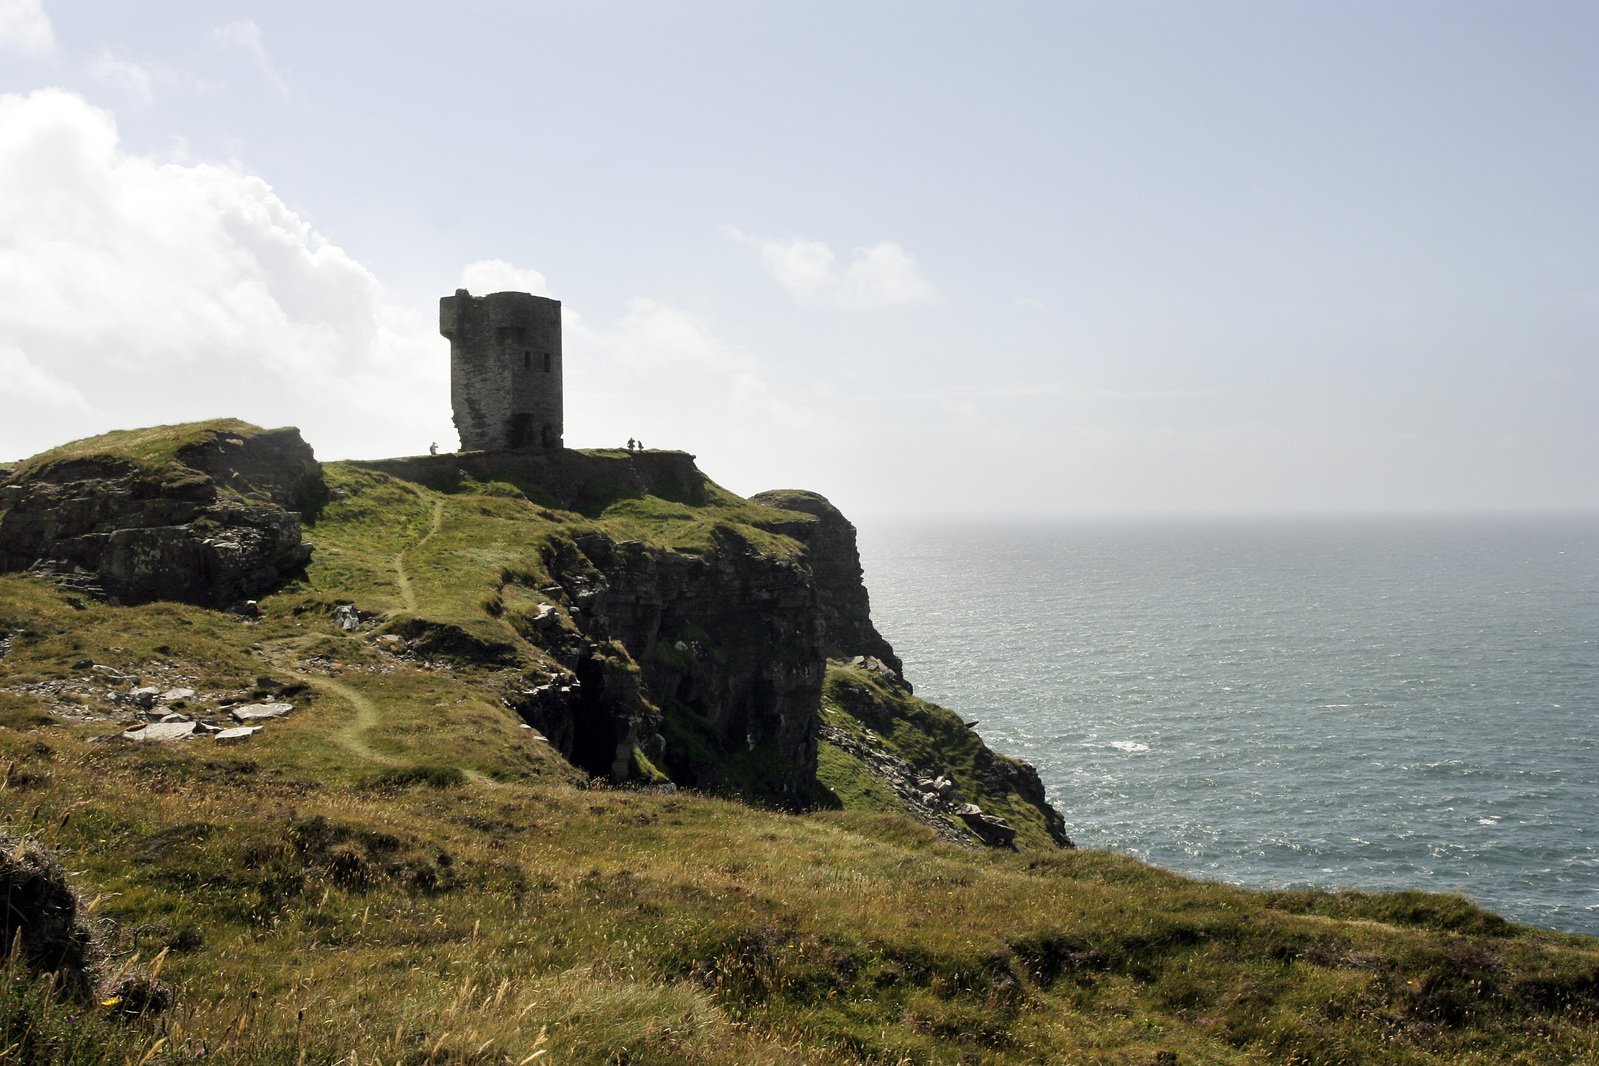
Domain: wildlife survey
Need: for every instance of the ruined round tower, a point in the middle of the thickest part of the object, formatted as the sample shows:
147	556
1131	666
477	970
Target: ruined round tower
505	369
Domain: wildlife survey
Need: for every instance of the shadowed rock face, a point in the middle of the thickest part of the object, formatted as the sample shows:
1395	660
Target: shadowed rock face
219	524
720	684
835	560
732	642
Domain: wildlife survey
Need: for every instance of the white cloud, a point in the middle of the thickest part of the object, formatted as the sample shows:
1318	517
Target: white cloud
496	275
25	28
1031	302
666	375
804	268
135	290
25	384
245	35
136	81
881	275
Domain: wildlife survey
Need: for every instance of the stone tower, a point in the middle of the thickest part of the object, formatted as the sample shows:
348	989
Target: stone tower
505	369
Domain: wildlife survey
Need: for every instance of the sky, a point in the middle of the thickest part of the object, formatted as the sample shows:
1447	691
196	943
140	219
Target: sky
996	258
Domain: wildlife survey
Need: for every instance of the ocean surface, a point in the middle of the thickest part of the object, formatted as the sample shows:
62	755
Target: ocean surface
1339	702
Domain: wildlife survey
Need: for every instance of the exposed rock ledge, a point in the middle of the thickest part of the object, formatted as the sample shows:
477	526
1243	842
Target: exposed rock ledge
215	523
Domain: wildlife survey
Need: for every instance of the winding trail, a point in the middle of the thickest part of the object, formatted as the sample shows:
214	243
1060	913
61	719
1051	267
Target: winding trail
351	736
402	576
354	733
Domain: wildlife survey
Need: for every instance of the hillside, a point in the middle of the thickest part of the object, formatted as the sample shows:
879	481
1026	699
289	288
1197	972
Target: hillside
578	753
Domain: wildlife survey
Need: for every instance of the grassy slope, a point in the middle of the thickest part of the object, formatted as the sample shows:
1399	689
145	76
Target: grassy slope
400	872
153	450
923	734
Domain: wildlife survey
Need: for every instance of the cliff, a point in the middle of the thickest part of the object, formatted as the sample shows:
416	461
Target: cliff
686	636
420	806
650	626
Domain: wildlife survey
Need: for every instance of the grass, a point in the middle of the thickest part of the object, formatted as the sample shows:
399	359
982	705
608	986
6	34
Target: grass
600	926
398	872
151	449
931	738
410	877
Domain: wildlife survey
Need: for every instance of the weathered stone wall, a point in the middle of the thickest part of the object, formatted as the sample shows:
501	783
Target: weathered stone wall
505	369
563	478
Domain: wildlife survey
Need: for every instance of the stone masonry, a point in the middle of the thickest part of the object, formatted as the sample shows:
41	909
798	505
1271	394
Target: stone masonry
505	369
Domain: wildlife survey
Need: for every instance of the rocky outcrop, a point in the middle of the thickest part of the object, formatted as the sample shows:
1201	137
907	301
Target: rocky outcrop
729	665
216	524
835	563
729	645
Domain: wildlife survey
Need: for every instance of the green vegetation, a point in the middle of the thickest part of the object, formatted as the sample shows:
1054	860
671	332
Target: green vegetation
152	449
399	872
926	736
482	921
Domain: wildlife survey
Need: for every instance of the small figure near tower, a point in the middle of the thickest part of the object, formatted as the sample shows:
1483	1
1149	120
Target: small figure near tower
505	369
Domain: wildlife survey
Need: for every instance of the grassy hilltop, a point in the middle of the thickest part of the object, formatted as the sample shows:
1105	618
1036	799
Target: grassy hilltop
400	871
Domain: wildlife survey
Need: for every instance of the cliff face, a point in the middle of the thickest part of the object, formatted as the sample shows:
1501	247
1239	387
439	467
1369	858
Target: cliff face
729	649
835	563
215	522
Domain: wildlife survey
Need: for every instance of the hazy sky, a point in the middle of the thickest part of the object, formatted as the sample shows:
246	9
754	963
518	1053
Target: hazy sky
931	257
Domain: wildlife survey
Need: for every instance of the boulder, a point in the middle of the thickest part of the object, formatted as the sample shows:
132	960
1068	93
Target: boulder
162	731
255	712
990	830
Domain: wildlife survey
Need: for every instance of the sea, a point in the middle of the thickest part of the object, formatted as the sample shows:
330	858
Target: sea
1339	702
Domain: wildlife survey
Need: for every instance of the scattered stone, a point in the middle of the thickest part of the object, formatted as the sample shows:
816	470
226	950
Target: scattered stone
246	609
252	712
112	675
162	731
83	664
995	832
144	697
173	695
174	716
346	617
390	642
546	617
237	733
